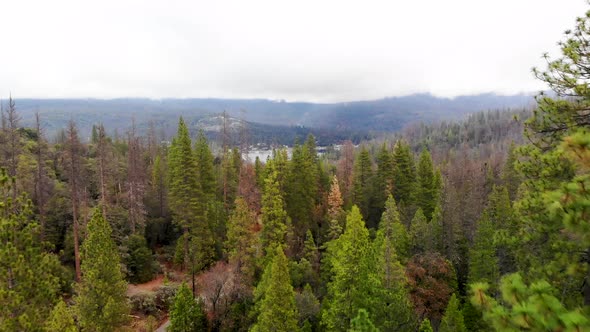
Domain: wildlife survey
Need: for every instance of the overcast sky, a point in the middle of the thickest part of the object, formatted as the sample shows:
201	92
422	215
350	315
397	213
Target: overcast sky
316	50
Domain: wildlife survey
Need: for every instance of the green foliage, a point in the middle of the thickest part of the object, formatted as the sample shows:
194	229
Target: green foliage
425	326
61	319
187	313
139	261
483	260
363	179
522	307
452	321
394	230
362	323
354	281
301	188
308	306
393	311
28	280
404	175
101	303
275	222
277	309
383	184
425	190
242	243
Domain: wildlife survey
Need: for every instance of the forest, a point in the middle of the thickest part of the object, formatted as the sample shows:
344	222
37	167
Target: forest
473	225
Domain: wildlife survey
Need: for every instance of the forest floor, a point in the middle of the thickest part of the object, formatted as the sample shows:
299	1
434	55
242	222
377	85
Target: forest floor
149	286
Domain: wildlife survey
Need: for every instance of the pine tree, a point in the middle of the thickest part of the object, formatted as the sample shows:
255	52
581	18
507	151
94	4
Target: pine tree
394	311
425	190
188	201
510	176
383	185
353	280
242	243
502	215
28	280
277	309
452	321
61	319
363	178
275	222
394	230
100	301
301	190
483	261
187	314
419	233
362	323
404	174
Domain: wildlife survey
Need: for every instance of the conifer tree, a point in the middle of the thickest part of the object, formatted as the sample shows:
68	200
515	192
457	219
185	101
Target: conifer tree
242	243
404	174
159	184
278	311
188	202
383	185
452	320
362	323
301	190
419	233
354	280
483	260
275	222
425	189
394	311
394	230
61	319
187	314
28	281
363	178
101	303
511	178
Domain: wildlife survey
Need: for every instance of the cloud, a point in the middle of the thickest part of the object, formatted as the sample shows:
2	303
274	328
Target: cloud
294	50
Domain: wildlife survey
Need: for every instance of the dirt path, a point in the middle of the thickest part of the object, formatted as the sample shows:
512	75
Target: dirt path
146	287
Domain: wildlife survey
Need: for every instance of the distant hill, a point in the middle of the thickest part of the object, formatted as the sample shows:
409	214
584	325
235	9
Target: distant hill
344	119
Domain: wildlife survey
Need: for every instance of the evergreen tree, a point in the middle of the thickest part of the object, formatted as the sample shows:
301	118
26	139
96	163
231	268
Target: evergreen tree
188	202
101	302
483	261
419	233
404	174
394	230
394	311
301	190
383	185
242	243
362	323
277	308
452	321
28	278
354	280
502	216
275	222
511	178
187	314
61	319
363	179
425	190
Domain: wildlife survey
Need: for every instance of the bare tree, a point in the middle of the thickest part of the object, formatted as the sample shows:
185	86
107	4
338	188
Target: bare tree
42	184
74	155
135	181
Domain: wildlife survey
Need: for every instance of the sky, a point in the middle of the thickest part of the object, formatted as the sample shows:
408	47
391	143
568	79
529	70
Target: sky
318	50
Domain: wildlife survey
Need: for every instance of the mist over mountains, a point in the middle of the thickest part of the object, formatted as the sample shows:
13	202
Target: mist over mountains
266	118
